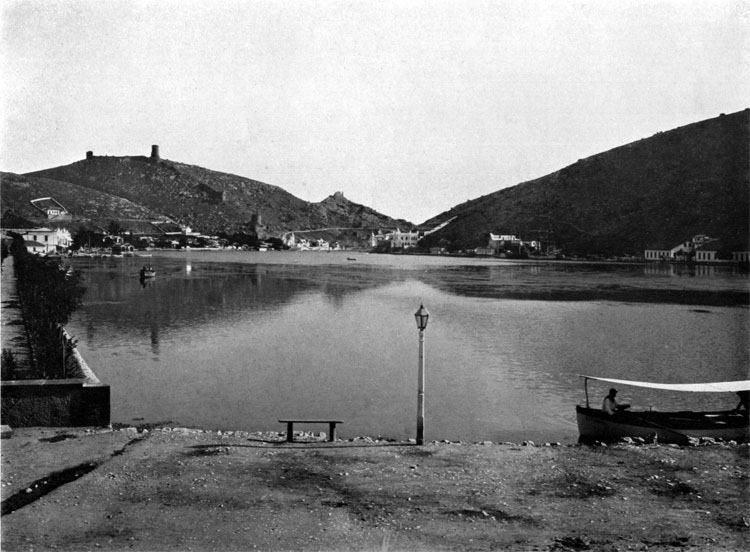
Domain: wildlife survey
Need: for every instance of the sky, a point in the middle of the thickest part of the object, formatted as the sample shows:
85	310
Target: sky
409	107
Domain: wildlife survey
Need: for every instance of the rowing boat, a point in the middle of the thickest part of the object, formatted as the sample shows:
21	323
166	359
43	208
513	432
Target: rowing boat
663	426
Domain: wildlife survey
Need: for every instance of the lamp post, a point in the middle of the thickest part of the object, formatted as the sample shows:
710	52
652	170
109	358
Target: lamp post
421	316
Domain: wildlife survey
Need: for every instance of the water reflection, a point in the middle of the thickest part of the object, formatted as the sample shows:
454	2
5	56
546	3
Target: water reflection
595	282
198	293
236	345
691	270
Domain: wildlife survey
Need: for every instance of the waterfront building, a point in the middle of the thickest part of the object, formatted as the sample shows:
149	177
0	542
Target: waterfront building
43	241
404	240
698	249
397	238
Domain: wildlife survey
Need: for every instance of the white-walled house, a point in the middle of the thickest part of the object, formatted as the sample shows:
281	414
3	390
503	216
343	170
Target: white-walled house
683	251
397	238
289	240
375	239
46	240
711	252
698	249
657	254
404	239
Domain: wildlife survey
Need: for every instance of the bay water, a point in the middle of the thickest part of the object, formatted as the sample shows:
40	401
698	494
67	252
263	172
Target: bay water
236	340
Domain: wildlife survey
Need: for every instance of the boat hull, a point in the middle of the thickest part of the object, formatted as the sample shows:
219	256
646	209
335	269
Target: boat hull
667	427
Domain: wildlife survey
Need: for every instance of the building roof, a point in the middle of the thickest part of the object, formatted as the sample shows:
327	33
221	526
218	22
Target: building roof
714	244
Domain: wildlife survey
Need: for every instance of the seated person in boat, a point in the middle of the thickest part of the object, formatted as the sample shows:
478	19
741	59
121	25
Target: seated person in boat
744	404
610	404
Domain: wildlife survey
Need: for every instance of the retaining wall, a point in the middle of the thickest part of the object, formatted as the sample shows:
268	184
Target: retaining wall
81	400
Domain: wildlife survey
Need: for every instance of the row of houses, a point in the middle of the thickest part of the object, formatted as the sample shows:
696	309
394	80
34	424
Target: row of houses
698	249
498	244
149	233
510	245
305	244
142	234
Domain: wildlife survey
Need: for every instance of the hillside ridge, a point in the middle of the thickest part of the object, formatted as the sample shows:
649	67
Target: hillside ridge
649	193
212	201
654	191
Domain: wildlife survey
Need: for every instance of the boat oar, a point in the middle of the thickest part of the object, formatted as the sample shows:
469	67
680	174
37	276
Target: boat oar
682	437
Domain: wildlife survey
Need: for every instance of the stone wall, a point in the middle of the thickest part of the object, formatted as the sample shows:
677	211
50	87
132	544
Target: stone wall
54	403
81	400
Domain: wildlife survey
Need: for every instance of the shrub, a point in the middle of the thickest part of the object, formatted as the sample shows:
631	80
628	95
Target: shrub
49	292
8	365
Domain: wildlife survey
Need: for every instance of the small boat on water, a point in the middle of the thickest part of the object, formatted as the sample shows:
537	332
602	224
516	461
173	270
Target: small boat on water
670	427
147	272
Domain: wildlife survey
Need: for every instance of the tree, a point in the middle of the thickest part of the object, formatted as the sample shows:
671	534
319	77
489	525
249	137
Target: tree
114	228
86	237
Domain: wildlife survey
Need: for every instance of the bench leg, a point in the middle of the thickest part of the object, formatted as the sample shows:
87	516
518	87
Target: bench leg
331	431
289	432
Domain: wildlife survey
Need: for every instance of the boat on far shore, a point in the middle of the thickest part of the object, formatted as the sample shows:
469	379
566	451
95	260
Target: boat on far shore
662	426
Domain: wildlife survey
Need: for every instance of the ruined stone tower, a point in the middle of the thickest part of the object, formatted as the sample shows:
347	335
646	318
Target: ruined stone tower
155	152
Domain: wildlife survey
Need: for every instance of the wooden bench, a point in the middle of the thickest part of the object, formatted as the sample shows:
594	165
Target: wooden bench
290	427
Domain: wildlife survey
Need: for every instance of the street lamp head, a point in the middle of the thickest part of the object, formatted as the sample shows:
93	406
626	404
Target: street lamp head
421	316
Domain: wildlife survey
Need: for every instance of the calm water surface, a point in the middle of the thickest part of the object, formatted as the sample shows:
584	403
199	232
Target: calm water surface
238	340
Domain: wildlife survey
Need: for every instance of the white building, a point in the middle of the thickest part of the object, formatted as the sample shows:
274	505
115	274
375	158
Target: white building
46	240
397	238
404	240
699	249
289	240
50	207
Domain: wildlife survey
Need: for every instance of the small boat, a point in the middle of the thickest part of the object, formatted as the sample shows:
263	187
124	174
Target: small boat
351	258
669	427
147	272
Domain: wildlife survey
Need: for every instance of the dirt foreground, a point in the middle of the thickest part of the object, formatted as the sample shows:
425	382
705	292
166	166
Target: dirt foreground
184	489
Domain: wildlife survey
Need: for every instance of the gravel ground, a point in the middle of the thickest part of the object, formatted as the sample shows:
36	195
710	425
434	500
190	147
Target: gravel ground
154	489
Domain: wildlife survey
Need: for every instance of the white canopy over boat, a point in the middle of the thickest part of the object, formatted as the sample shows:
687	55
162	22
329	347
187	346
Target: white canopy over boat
710	387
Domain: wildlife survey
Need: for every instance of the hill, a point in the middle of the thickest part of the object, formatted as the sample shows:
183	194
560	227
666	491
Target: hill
655	192
211	201
85	204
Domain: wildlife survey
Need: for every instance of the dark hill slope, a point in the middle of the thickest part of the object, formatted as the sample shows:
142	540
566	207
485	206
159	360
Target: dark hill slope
83	204
653	192
208	200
